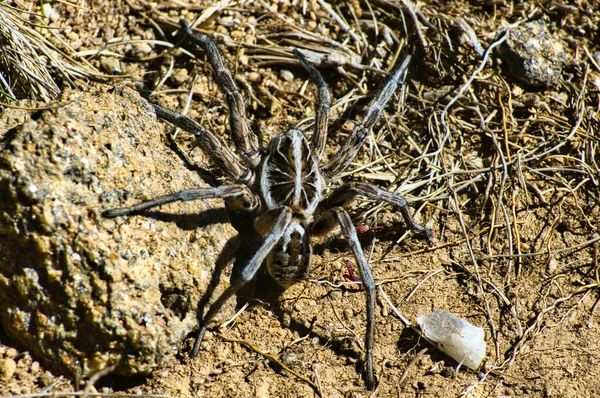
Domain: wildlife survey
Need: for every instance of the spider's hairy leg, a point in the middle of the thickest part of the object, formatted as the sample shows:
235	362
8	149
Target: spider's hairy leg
281	218
243	137
210	143
339	216
319	137
352	145
346	193
238	194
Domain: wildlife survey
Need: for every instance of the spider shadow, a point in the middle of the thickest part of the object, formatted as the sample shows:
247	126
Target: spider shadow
238	249
188	221
263	288
341	346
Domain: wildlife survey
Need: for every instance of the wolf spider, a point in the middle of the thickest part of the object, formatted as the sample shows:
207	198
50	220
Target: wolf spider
282	185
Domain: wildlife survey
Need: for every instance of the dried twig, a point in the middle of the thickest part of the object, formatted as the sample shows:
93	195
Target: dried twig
274	359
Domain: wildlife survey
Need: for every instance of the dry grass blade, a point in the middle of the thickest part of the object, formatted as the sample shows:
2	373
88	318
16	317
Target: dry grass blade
340	21
406	6
208	13
30	63
24	71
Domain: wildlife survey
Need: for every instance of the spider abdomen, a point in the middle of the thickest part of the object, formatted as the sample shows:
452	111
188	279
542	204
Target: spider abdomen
289	261
290	175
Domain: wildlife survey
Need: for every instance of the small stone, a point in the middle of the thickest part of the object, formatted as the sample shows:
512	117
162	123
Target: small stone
49	12
11	353
237	35
553	265
72	36
254	77
455	337
35	367
179	76
533	55
110	65
7	368
286	75
227	21
289	359
46	379
141	49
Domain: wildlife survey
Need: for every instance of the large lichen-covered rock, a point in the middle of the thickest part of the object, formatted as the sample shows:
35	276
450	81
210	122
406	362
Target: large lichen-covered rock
81	291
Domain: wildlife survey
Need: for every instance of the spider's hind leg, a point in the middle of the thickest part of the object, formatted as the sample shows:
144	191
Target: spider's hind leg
339	216
346	193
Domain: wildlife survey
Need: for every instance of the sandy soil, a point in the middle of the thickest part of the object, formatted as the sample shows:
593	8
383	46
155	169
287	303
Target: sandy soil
512	197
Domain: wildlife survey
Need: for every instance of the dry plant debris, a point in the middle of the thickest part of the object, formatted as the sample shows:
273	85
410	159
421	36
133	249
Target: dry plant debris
506	174
33	64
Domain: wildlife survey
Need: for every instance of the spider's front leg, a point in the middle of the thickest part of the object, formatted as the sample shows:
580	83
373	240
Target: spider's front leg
323	105
352	145
240	195
245	141
323	224
211	144
346	193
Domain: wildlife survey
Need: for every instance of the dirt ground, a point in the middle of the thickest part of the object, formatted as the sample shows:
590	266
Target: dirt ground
494	141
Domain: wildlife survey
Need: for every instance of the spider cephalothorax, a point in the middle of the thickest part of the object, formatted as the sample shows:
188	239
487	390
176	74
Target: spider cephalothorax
282	187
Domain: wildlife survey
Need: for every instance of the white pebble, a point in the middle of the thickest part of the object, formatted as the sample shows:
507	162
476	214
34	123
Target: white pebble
455	337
